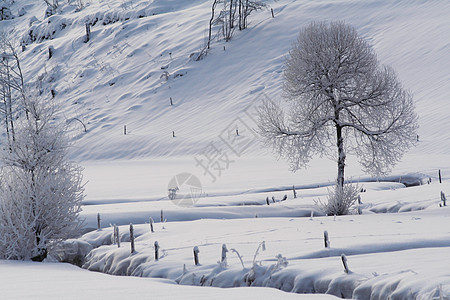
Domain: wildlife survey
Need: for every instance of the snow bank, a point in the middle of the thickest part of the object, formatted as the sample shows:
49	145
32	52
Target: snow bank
389	255
28	280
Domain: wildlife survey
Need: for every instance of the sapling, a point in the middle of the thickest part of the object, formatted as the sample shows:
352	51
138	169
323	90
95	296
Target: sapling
440	178
344	262
267	201
196	251
295	193
162	216
132	238
273	199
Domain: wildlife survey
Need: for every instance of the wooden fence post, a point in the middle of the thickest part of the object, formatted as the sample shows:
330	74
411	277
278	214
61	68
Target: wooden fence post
196	251
156	250
325	239
132	238
99	226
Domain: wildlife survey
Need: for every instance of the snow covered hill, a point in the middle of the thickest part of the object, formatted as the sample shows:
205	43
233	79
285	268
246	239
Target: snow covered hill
117	78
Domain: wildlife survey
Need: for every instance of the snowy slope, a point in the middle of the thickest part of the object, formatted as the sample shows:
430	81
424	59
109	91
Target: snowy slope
114	80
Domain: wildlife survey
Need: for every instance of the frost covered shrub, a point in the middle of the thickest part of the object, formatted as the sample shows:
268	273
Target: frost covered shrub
40	190
340	200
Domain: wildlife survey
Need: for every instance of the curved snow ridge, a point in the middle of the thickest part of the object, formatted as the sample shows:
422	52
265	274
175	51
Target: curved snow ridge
296	279
105	236
400	207
119	200
116	261
439	242
135	216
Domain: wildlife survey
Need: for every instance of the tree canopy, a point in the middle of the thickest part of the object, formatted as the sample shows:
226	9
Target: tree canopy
341	100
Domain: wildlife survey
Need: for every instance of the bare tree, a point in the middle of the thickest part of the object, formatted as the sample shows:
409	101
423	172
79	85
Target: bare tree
227	18
40	190
211	22
246	7
233	11
339	95
11	83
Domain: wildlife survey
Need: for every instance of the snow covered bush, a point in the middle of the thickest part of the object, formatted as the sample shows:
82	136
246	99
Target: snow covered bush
40	190
340	200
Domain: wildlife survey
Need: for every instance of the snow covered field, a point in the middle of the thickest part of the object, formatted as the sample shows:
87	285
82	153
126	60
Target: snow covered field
397	248
28	280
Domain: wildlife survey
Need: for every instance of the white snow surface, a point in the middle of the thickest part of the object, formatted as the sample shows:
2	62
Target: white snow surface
28	280
397	248
114	79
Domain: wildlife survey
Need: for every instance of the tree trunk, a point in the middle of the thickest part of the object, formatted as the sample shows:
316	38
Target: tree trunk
240	14
8	106
246	13
341	156
211	22
231	15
